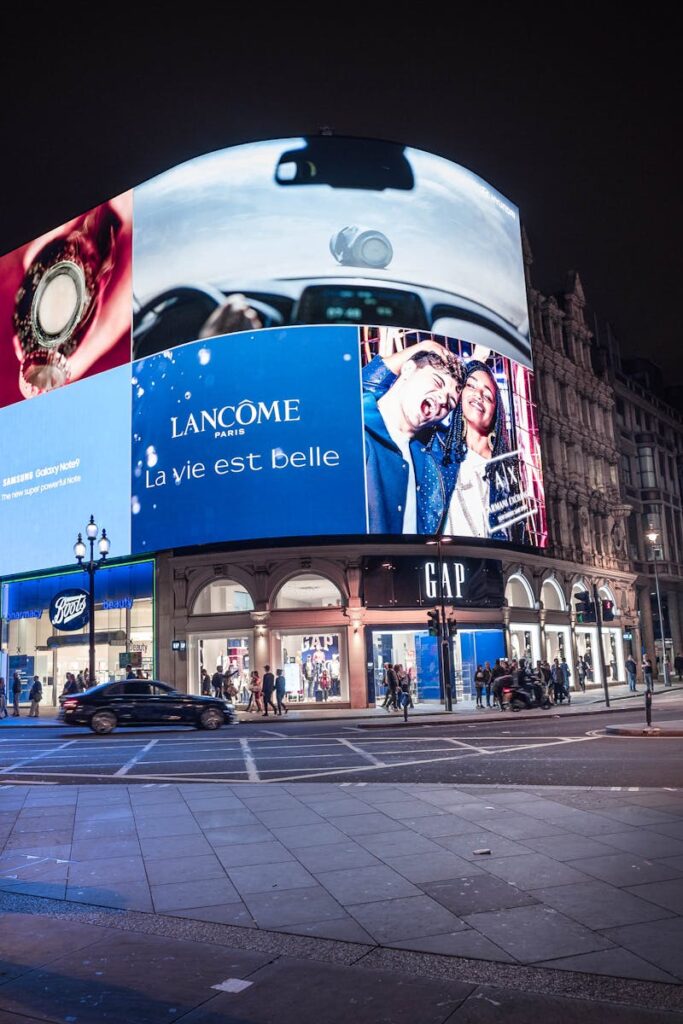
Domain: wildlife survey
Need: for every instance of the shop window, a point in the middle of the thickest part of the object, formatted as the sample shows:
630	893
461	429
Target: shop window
222	596
518	593
308	591
314	666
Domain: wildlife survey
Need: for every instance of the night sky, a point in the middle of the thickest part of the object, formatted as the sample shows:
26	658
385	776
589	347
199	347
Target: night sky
577	123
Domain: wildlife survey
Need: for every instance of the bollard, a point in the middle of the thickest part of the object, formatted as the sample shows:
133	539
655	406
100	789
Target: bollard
648	707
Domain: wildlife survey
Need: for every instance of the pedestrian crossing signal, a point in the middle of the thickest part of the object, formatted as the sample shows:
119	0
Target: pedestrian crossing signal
434	622
607	610
585	608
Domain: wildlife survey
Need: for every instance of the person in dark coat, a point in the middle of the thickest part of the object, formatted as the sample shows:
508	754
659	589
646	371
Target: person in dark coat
281	691
217	684
268	690
16	693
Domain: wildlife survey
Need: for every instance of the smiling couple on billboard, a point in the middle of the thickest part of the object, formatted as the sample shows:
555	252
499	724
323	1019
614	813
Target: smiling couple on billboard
439	455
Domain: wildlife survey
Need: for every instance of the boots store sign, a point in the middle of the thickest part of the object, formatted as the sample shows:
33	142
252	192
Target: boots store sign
69	610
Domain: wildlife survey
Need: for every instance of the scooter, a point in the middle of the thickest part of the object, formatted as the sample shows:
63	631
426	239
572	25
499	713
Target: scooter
524	698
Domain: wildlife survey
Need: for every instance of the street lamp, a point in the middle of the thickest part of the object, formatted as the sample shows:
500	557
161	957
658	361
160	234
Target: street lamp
653	537
91	568
444	638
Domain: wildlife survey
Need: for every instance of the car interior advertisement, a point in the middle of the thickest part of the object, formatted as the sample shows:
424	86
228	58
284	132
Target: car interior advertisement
326	230
65	303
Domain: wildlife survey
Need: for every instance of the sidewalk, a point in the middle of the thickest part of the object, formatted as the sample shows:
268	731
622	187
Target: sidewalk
590	702
547	890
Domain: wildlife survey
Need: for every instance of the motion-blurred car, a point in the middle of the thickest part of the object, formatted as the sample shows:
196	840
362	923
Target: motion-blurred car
142	702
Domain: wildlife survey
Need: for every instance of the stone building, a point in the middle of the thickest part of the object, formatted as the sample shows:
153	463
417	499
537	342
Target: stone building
587	514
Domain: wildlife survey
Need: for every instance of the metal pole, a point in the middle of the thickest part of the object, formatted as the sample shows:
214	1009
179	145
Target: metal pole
665	666
444	659
601	650
91	609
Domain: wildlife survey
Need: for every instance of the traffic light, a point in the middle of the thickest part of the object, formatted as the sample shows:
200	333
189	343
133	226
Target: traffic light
585	608
434	622
607	610
452	627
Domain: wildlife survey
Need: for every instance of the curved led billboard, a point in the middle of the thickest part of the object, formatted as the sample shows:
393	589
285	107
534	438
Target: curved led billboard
311	337
326	230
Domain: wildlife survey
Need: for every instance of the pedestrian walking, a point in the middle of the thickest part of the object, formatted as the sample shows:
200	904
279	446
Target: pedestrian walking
281	691
405	699
3	699
16	694
678	665
488	681
565	675
35	695
631	669
255	691
268	690
647	673
479	685
392	691
217	683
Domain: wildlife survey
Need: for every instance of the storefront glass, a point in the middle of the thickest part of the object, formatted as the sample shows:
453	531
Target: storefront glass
587	648
418	654
314	665
229	654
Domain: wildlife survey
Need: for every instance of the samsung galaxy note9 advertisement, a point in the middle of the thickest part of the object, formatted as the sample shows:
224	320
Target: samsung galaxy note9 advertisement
65	456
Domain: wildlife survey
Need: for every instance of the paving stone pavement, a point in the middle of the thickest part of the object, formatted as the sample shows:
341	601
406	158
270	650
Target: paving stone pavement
558	879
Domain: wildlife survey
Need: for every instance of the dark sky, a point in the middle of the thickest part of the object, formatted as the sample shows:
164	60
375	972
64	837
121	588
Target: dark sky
577	122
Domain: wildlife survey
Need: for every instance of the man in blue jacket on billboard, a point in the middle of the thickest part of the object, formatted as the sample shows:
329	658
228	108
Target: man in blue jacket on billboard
406	398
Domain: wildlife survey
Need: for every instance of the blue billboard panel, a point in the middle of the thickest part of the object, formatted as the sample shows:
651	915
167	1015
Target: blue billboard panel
65	457
246	436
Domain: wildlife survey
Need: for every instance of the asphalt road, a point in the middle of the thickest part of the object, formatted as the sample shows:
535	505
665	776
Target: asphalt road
506	750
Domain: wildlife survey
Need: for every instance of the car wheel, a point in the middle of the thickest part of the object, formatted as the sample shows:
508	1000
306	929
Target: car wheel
103	722
210	719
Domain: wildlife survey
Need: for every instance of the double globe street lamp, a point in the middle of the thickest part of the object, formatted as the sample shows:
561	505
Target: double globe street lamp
91	567
653	537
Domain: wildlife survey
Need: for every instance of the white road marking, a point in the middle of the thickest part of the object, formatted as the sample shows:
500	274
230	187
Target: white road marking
249	762
124	769
362	753
36	757
461	743
233	985
280	735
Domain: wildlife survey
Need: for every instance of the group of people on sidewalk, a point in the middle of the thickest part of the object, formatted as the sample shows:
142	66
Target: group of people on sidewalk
35	695
261	690
553	679
397	684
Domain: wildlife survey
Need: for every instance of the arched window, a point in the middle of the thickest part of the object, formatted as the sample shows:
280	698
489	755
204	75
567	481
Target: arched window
552	596
607	594
518	592
308	590
222	596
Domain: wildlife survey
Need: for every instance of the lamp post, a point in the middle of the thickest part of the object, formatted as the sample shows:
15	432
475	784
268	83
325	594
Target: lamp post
653	537
444	639
91	568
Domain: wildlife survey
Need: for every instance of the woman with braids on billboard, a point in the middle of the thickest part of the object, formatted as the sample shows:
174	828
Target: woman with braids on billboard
487	498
